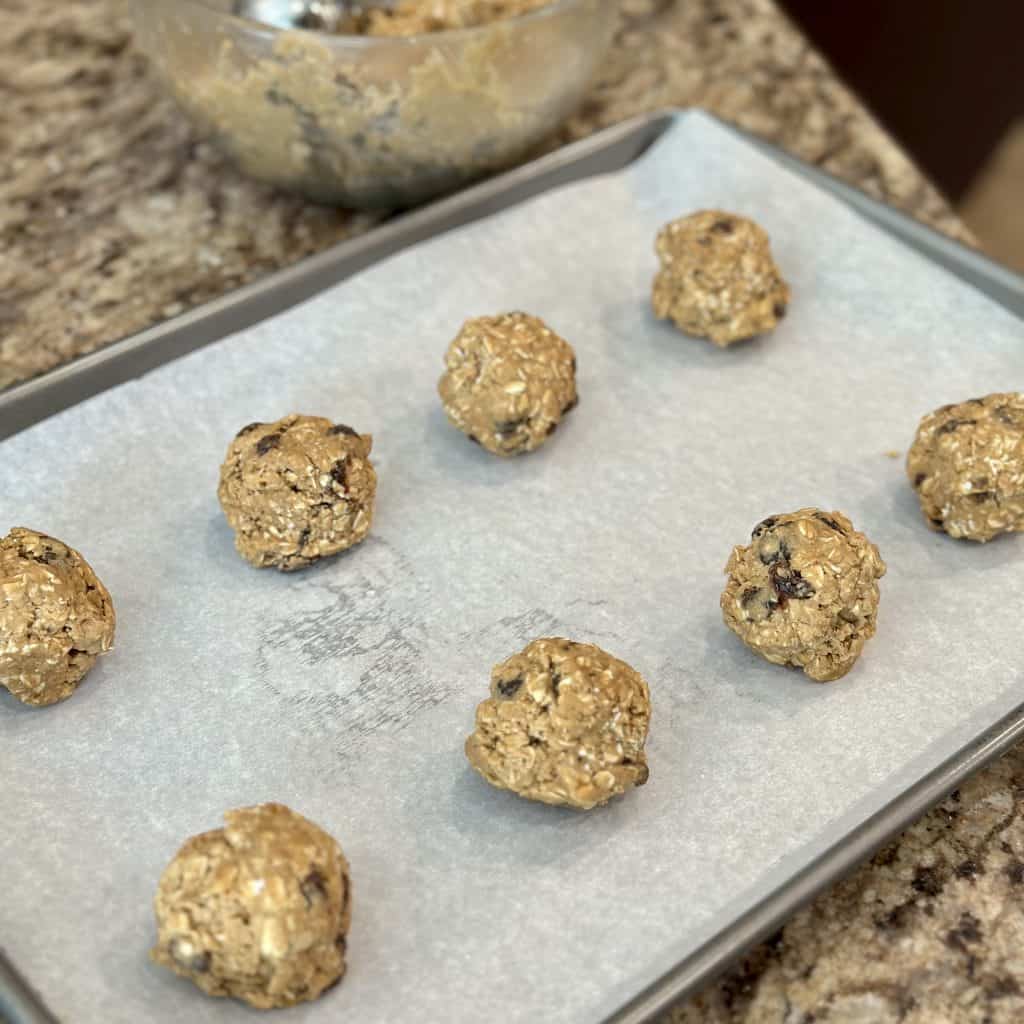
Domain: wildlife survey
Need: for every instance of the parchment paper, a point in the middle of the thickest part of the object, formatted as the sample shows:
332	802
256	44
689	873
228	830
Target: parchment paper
346	691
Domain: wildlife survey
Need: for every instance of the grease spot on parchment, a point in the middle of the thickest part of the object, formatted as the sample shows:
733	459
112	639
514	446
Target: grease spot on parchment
344	661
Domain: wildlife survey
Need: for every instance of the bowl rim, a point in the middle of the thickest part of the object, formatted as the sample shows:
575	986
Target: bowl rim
357	42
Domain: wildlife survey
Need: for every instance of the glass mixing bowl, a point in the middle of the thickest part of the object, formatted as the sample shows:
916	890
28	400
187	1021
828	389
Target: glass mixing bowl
374	121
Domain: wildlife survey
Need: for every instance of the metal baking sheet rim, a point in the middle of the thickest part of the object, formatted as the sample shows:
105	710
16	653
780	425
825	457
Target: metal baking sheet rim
610	150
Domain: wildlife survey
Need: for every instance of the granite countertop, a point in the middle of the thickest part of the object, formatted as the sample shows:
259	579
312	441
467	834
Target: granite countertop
113	216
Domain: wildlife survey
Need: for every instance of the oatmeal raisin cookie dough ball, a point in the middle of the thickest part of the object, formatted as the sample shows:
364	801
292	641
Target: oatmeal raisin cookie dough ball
967	466
565	724
56	617
508	382
297	490
804	592
718	279
258	910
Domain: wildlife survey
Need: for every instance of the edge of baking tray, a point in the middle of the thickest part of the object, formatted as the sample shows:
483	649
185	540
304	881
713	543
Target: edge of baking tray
608	150
604	152
19	1004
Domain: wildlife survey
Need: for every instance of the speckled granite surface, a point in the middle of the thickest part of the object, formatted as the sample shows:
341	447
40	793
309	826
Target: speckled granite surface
113	216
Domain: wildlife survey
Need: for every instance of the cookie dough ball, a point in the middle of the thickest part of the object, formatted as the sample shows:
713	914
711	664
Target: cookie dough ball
56	618
967	466
804	592
718	279
565	724
508	382
297	490
257	910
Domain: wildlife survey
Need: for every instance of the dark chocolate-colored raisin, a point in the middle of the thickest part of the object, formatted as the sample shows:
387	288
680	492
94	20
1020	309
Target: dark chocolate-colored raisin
829	521
510	426
723	227
248	429
339	472
314	887
779	309
509	687
556	680
979	496
201	963
936	522
765	524
473	438
265	444
920	479
748	595
341	428
551	429
789	583
303	538
951	425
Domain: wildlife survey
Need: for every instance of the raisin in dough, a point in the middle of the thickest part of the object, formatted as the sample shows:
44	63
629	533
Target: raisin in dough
804	592
508	382
565	724
56	617
297	490
967	466
258	910
718	279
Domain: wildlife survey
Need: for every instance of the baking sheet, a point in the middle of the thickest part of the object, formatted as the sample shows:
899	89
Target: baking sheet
346	691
